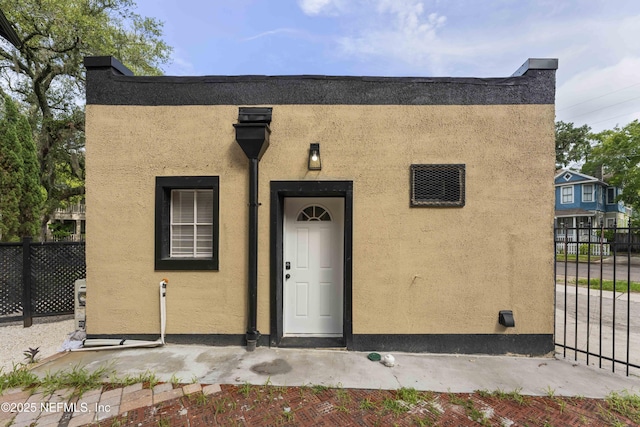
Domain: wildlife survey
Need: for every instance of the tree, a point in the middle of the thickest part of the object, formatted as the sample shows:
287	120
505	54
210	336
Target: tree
33	195
46	73
618	151
11	173
573	144
21	196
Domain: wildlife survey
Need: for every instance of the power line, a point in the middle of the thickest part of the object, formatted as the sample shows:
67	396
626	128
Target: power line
598	97
610	118
604	108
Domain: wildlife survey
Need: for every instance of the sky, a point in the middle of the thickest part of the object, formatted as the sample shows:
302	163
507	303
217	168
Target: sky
596	42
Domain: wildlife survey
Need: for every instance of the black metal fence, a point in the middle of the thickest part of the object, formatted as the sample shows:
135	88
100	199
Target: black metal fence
598	295
37	279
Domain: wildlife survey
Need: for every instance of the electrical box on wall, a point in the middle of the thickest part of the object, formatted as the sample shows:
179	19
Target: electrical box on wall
80	304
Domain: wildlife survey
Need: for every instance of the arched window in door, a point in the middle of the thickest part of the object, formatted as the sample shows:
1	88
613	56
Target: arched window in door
314	213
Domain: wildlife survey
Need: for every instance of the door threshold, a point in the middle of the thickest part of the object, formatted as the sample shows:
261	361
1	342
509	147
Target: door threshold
312	342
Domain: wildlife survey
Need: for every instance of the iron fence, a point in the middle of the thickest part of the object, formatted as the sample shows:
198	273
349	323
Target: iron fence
37	278
598	295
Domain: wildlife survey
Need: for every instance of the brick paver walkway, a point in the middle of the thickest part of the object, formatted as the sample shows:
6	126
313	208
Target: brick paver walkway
23	408
254	405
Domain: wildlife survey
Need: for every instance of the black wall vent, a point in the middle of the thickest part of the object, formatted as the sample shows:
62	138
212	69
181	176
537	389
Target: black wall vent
438	185
255	115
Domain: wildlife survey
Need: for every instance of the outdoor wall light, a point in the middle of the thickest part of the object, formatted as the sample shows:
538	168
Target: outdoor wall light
315	163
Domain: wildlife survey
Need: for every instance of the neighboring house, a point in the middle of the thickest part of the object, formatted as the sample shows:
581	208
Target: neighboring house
67	224
387	214
582	199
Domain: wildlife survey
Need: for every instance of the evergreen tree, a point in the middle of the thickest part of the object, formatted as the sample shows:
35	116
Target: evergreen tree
33	195
11	173
21	195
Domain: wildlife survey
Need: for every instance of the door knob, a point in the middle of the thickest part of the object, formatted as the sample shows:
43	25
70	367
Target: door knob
287	276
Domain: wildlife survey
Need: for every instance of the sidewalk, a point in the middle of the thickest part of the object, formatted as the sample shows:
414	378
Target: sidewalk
299	367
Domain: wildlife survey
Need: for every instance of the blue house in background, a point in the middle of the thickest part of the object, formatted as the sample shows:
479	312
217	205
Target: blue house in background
581	198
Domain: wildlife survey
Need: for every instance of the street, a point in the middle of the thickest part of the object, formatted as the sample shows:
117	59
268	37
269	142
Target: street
621	270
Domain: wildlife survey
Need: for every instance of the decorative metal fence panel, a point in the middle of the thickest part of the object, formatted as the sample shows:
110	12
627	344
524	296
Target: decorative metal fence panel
54	270
10	281
42	283
598	296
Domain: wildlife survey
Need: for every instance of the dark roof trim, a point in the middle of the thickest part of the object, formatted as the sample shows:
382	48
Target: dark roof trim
536	64
110	83
7	31
106	63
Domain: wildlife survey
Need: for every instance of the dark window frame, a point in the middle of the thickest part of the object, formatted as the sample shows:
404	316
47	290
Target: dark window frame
416	201
164	185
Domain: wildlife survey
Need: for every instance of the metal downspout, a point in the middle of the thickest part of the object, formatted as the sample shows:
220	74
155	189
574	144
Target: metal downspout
252	331
252	135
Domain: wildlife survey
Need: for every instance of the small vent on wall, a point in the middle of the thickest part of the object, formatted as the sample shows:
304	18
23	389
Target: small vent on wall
438	185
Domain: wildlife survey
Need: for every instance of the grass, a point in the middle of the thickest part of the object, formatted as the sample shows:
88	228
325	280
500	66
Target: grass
581	258
245	389
175	380
395	406
512	395
625	404
404	400
368	405
78	378
288	415
199	398
220	406
469	408
319	388
550	392
146	377
607	285
408	395
20	376
423	422
342	395
483	393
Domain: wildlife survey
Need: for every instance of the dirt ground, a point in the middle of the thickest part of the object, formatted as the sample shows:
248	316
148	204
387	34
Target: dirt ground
251	405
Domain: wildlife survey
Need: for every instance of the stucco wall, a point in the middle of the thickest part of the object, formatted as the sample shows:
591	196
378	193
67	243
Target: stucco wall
415	270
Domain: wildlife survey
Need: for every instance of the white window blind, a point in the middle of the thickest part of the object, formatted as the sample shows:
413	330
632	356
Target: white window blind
191	223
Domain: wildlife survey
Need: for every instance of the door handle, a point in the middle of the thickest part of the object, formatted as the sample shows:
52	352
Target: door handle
287	276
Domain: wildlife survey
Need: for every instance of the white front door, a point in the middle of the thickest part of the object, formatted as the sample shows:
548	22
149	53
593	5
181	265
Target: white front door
313	266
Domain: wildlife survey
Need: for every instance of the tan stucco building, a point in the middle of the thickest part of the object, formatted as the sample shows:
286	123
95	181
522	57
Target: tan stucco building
363	212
